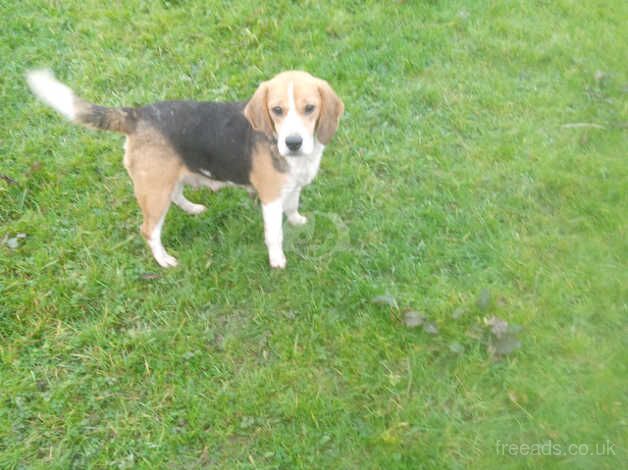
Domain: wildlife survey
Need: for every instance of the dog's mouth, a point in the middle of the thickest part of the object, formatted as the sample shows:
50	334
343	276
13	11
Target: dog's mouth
289	153
295	154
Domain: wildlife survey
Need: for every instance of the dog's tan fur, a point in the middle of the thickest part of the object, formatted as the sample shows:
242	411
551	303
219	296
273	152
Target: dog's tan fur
307	89
265	176
155	170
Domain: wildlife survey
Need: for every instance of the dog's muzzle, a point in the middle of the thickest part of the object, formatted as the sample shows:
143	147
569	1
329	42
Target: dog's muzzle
294	142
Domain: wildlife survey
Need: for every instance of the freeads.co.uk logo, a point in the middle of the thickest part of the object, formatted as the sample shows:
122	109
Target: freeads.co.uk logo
324	234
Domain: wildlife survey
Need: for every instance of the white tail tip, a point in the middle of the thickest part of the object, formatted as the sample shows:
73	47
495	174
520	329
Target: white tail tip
52	92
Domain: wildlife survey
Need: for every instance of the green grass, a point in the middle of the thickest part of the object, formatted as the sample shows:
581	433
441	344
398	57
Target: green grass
452	176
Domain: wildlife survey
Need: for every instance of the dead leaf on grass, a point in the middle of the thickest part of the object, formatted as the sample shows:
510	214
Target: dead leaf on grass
8	179
497	325
430	328
503	338
412	318
504	344
150	276
386	299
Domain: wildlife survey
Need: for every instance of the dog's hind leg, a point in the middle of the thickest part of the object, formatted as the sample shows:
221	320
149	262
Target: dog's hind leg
154	207
155	175
180	200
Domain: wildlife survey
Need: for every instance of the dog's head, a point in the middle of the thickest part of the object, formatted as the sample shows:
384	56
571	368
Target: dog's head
299	110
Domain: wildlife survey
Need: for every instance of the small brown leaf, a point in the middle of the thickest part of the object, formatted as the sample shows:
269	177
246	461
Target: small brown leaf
204	458
8	179
498	326
412	319
219	342
150	276
504	345
430	328
386	299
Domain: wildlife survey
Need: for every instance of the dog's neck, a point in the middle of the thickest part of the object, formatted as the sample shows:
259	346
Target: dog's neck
303	169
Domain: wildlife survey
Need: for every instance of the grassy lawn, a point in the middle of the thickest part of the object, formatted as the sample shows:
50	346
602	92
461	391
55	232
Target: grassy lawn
478	180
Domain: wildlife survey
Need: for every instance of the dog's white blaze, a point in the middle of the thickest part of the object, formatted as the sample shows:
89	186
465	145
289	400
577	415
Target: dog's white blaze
291	106
293	125
52	92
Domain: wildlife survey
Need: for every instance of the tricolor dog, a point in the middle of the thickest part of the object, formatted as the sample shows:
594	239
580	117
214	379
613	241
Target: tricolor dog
271	144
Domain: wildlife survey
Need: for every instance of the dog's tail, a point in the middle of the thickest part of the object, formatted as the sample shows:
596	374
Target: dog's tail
54	93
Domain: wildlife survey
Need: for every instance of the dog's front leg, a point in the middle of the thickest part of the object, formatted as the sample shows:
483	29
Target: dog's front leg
273	232
291	208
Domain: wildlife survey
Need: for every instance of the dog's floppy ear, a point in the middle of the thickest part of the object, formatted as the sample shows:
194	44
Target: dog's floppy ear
256	110
332	108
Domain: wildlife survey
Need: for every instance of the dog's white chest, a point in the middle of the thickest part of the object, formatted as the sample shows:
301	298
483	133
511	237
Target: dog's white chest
304	169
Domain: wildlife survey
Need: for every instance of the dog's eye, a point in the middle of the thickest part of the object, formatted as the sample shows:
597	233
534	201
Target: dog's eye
277	110
309	108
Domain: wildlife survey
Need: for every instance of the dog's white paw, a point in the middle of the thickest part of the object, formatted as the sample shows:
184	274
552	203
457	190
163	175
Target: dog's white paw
297	219
165	260
277	260
194	209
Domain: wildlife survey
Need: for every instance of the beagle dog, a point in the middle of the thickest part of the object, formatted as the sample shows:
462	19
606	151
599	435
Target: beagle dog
271	145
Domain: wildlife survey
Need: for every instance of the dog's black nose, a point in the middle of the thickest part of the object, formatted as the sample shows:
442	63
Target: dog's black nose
293	142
